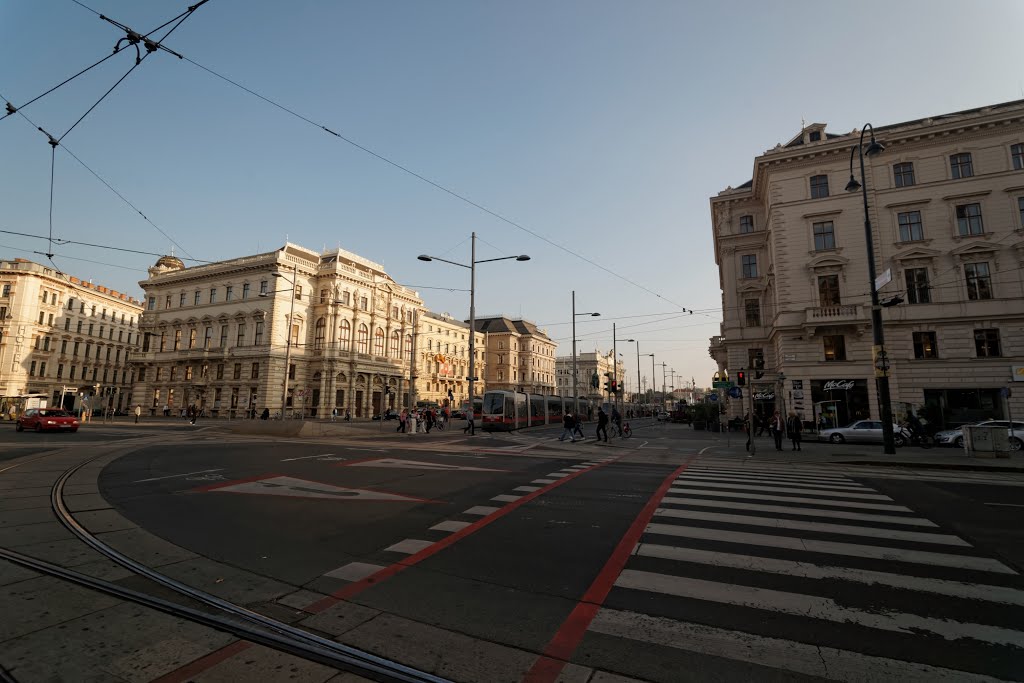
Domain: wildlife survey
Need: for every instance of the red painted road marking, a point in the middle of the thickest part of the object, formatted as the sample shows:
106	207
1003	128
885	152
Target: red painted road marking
564	643
187	672
359	586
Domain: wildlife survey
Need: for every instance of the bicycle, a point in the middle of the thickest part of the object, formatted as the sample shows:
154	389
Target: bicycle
911	437
626	431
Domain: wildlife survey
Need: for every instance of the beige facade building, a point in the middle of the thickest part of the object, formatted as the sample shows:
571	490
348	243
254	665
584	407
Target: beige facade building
61	336
442	359
217	336
946	203
589	365
520	356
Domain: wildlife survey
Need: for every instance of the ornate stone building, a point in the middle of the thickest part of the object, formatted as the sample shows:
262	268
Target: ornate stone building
217	335
589	364
947	213
442	359
520	355
61	336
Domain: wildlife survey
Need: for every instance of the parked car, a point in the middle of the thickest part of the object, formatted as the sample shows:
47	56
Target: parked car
861	431
389	414
458	414
955	437
661	417
47	419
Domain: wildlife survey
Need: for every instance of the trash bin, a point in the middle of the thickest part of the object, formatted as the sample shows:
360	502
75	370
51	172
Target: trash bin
986	442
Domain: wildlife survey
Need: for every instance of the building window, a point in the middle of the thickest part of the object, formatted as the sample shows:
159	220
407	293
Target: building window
835	347
363	339
255	371
960	165
181	299
903	174
258	338
917	286
229	293
749	262
408	346
220	371
323	296
188	373
177	340
150	305
295	334
968	219
911	229
394	349
345	335
32	369
319	332
925	346
752	307
824	236
291	371
245	291
213	295
208	337
196	297
746	224
263	286
240	339
346	298
223	336
819	186
378	342
986	343
979	281
364	303
237	374
167	303
828	290
1020	209
174	372
1017	154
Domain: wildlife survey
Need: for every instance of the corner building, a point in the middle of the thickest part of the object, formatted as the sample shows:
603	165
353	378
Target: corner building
442	360
946	201
520	356
217	335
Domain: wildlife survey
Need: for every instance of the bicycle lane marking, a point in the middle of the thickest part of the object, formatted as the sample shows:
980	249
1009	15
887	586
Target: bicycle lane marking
563	644
386	573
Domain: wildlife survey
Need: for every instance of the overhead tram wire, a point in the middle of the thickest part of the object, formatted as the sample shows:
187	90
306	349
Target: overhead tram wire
61	242
11	109
432	183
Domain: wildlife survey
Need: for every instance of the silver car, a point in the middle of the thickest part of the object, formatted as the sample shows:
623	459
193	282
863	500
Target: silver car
955	437
861	431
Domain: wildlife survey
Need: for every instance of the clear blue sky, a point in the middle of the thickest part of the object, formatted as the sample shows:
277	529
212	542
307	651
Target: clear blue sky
604	126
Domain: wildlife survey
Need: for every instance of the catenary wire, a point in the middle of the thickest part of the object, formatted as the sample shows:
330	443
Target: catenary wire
13	110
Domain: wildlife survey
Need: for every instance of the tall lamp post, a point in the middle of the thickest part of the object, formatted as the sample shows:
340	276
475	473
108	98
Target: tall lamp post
639	385
288	333
878	355
472	301
575	390
654	382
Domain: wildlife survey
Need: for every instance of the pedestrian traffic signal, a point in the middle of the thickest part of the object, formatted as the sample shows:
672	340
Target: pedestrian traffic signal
615	387
741	378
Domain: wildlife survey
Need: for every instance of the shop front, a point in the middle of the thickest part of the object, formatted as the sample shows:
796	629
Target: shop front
951	408
840	401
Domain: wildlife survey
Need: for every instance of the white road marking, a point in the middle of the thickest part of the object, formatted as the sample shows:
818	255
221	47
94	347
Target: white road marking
756	477
354	571
409	546
505	498
783	489
1008	505
450	525
481	510
956	589
982	564
307	457
822	527
302	488
784	499
543	481
814	607
801	512
175	476
396	463
527	489
556	475
770	472
786	655
771	481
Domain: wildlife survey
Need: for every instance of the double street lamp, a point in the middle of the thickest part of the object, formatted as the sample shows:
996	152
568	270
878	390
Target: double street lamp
878	355
472	302
575	390
288	333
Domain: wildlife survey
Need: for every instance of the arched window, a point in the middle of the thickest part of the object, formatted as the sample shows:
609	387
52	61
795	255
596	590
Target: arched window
319	331
378	342
363	339
345	335
408	346
394	349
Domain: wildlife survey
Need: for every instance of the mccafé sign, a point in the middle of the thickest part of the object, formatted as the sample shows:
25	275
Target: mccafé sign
837	385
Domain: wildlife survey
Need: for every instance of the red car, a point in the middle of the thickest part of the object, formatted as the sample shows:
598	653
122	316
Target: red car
47	418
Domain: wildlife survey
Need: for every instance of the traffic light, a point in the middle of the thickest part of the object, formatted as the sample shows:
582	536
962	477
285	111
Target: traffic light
615	387
608	386
759	365
741	378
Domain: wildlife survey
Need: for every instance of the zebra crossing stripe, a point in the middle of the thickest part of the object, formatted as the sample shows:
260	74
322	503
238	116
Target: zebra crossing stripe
814	607
823	527
783	499
786	655
774	480
983	564
782	489
799	512
956	589
781	474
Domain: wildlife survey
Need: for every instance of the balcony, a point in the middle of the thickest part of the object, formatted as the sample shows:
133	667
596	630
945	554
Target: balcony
828	315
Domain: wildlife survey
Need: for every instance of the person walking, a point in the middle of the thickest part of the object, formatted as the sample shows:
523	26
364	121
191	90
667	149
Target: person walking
428	419
602	424
266	414
138	412
577	426
334	413
470	423
193	412
776	426
402	417
348	415
793	428
568	428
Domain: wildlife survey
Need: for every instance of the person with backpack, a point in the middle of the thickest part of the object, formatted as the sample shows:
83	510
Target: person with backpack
568	428
793	429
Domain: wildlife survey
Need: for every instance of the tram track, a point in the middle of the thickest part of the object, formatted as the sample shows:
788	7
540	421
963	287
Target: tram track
224	616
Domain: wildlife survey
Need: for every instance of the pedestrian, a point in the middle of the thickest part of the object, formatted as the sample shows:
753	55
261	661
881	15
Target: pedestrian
616	421
568	428
602	424
577	426
138	412
470	423
428	419
167	410
334	414
793	428
266	414
348	415
193	413
402	417
776	426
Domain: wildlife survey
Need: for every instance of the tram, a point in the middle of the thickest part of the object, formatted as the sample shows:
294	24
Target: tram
507	410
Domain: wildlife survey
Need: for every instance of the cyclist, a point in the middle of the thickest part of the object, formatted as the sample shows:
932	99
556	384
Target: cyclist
616	421
914	425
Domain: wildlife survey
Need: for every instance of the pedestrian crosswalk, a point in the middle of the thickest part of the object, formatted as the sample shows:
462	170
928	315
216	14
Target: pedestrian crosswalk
768	572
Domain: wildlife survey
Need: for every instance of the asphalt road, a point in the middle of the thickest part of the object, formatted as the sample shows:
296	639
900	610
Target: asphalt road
644	558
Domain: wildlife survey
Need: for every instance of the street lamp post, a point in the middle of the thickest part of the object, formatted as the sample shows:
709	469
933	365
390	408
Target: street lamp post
288	334
472	301
575	390
639	385
881	376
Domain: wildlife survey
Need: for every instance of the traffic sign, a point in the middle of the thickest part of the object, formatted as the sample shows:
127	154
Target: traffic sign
712	397
735	392
723	385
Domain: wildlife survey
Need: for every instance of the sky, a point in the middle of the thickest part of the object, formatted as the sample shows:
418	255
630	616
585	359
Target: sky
597	130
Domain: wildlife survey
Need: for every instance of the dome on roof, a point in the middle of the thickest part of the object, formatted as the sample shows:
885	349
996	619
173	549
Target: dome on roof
171	262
